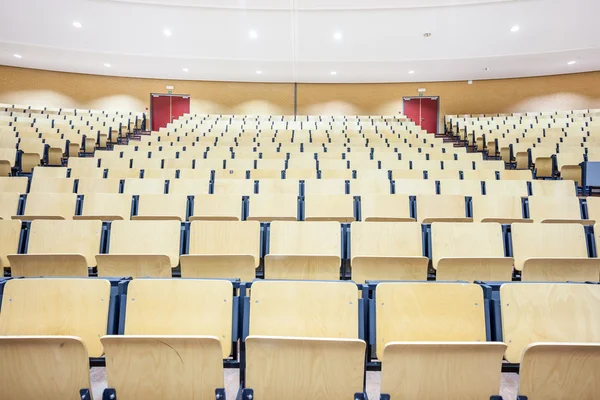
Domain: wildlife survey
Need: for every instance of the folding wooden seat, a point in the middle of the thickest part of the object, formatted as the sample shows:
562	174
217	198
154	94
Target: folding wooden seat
385	207
329	207
555	363
387	251
145	162
506	188
10	235
427	165
304	250
189	187
266	174
8	157
49	206
469	252
515	175
105	207
479	175
553	252
141	249
178	163
463	165
86	172
273	207
188	335
440	174
324	186
242	187
123	173
441	208
301	173
370	186
230	174
322	325
37	346
568	165
553	188
58	248
222	249
336	174
50	172
405	174
162	207
51	185
276	164
160	173
98	185
503	209
144	186
198	173
115	163
33	153
424	331
552	209
279	186
219	207
414	187
462	187
372	173
493	165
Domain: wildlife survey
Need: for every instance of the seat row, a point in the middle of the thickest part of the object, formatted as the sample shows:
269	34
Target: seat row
244	250
172	338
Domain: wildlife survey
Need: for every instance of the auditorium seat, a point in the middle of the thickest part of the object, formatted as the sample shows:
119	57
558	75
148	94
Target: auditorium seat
98	185
50	172
385	207
316	321
159	173
304	250
42	355
553	188
553	209
365	186
508	174
441	208
498	208
162	207
469	252
279	186
242	187
141	249
86	172
273	207
480	174
14	184
424	331
553	252
460	187
506	188
175	336
49	206
9	204
189	187
196	174
324	186
105	207
144	186
10	237
329	207
123	173
552	330
383	251
58	248
51	185
222	249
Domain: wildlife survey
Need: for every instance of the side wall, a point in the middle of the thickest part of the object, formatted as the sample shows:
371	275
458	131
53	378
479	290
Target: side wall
58	89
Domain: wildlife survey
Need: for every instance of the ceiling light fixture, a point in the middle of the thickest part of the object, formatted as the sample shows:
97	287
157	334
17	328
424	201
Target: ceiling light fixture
411	72
572	62
167	32
259	72
486	69
515	28
77	24
185	70
107	65
18	55
337	36
253	34
427	34
333	73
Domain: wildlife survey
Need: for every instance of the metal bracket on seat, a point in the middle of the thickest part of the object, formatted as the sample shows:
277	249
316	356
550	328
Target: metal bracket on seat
220	394
384	396
84	394
247	394
109	394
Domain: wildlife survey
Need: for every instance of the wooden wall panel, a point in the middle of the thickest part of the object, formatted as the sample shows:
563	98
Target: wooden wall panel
58	89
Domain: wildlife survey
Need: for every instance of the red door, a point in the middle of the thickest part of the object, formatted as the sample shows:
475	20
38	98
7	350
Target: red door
166	108
423	111
179	105
160	111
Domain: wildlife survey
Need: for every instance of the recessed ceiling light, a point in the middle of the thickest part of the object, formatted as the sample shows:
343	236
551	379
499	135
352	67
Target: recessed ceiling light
572	62
427	34
411	72
333	73
259	72
18	56
77	24
185	70
515	28
253	34
167	32
486	69
107	65
337	36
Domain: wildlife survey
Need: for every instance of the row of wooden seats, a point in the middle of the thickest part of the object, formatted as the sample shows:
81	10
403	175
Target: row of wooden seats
266	207
300	339
301	250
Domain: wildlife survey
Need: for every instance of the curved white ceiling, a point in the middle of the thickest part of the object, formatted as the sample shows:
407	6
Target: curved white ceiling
381	40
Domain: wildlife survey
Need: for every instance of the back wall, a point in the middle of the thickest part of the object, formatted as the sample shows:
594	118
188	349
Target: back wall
58	89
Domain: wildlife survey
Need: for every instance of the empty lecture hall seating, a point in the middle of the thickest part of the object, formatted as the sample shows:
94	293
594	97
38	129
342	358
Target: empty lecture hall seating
242	241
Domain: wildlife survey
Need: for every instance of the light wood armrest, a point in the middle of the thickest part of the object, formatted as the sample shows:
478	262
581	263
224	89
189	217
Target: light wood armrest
474	268
309	267
240	266
557	269
30	265
134	265
375	268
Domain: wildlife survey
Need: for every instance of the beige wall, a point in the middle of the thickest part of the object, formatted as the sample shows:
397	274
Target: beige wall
57	89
